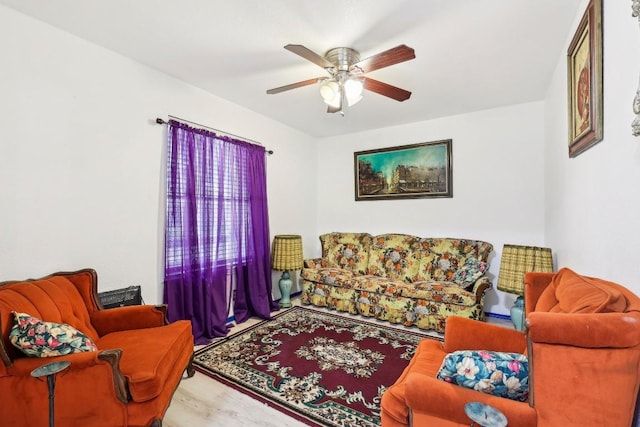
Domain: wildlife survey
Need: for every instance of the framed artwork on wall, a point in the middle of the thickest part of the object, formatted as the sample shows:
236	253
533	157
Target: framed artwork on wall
584	66
404	172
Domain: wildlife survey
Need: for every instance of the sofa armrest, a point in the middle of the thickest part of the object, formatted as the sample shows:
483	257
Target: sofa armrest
535	284
129	317
22	366
589	330
314	263
480	287
440	399
98	366
467	334
112	357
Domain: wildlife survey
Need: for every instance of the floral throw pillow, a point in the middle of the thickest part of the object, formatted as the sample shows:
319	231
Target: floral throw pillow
471	271
497	373
47	339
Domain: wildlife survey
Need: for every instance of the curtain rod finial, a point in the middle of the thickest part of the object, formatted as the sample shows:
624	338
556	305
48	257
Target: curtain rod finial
160	121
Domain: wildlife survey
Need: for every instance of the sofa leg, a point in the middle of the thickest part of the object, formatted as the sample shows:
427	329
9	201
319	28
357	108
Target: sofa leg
156	423
189	369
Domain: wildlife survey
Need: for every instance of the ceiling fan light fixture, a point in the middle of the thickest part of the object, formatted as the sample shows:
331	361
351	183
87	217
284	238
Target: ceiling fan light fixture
353	90
353	87
330	92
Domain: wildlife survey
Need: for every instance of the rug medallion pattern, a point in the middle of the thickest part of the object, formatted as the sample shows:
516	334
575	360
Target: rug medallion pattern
321	368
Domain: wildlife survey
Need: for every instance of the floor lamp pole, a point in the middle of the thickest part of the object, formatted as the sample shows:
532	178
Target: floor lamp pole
50	370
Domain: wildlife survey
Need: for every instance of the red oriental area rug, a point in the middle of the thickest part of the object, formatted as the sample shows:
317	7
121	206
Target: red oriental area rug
320	368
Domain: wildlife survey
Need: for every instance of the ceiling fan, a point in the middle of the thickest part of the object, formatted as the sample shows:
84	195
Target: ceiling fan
347	79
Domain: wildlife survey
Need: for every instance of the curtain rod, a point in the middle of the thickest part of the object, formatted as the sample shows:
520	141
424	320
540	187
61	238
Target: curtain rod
164	122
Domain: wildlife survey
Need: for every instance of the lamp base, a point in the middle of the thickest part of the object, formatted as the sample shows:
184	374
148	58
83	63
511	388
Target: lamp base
517	314
285	284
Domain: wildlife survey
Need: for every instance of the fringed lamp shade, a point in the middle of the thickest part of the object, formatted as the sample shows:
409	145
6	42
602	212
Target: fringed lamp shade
287	252
518	260
286	255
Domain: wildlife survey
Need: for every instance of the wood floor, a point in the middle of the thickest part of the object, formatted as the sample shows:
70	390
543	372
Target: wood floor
201	401
204	402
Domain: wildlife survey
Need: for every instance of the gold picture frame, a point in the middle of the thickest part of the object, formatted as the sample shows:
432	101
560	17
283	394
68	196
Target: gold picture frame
584	66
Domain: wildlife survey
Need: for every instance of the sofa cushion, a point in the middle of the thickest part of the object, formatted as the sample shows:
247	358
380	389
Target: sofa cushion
346	250
347	256
444	267
35	337
376	284
395	256
440	292
460	248
425	266
453	260
329	276
570	292
149	355
492	372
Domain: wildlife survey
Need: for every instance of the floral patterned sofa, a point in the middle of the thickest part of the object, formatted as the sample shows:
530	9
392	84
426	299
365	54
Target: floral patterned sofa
399	278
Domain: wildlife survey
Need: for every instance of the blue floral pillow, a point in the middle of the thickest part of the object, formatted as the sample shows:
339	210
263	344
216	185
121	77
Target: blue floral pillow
471	271
47	339
497	373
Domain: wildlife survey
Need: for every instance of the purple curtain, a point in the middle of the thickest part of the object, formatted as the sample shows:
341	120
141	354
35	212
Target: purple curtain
217	231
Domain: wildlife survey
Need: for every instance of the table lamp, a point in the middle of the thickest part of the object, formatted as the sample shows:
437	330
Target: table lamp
516	261
286	256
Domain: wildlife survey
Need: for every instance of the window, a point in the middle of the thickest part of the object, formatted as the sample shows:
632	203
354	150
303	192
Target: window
212	175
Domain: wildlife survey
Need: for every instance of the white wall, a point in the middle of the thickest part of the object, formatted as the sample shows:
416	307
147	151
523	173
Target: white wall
498	176
81	166
81	159
592	201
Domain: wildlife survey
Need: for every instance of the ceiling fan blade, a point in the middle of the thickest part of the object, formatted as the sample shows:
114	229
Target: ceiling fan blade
386	90
309	55
384	59
295	85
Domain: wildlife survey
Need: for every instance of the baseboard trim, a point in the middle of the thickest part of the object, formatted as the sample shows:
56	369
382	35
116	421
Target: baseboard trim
497	315
232	319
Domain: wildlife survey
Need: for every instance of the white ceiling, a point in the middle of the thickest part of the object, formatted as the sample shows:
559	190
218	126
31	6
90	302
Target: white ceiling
470	54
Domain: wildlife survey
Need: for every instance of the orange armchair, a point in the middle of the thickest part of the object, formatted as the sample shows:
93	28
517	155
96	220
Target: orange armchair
583	344
129	381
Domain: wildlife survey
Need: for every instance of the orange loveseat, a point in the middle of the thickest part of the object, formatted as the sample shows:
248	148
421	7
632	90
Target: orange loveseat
583	345
128	381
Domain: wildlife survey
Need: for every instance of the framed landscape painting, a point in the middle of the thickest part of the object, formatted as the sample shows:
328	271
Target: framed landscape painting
404	172
584	66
